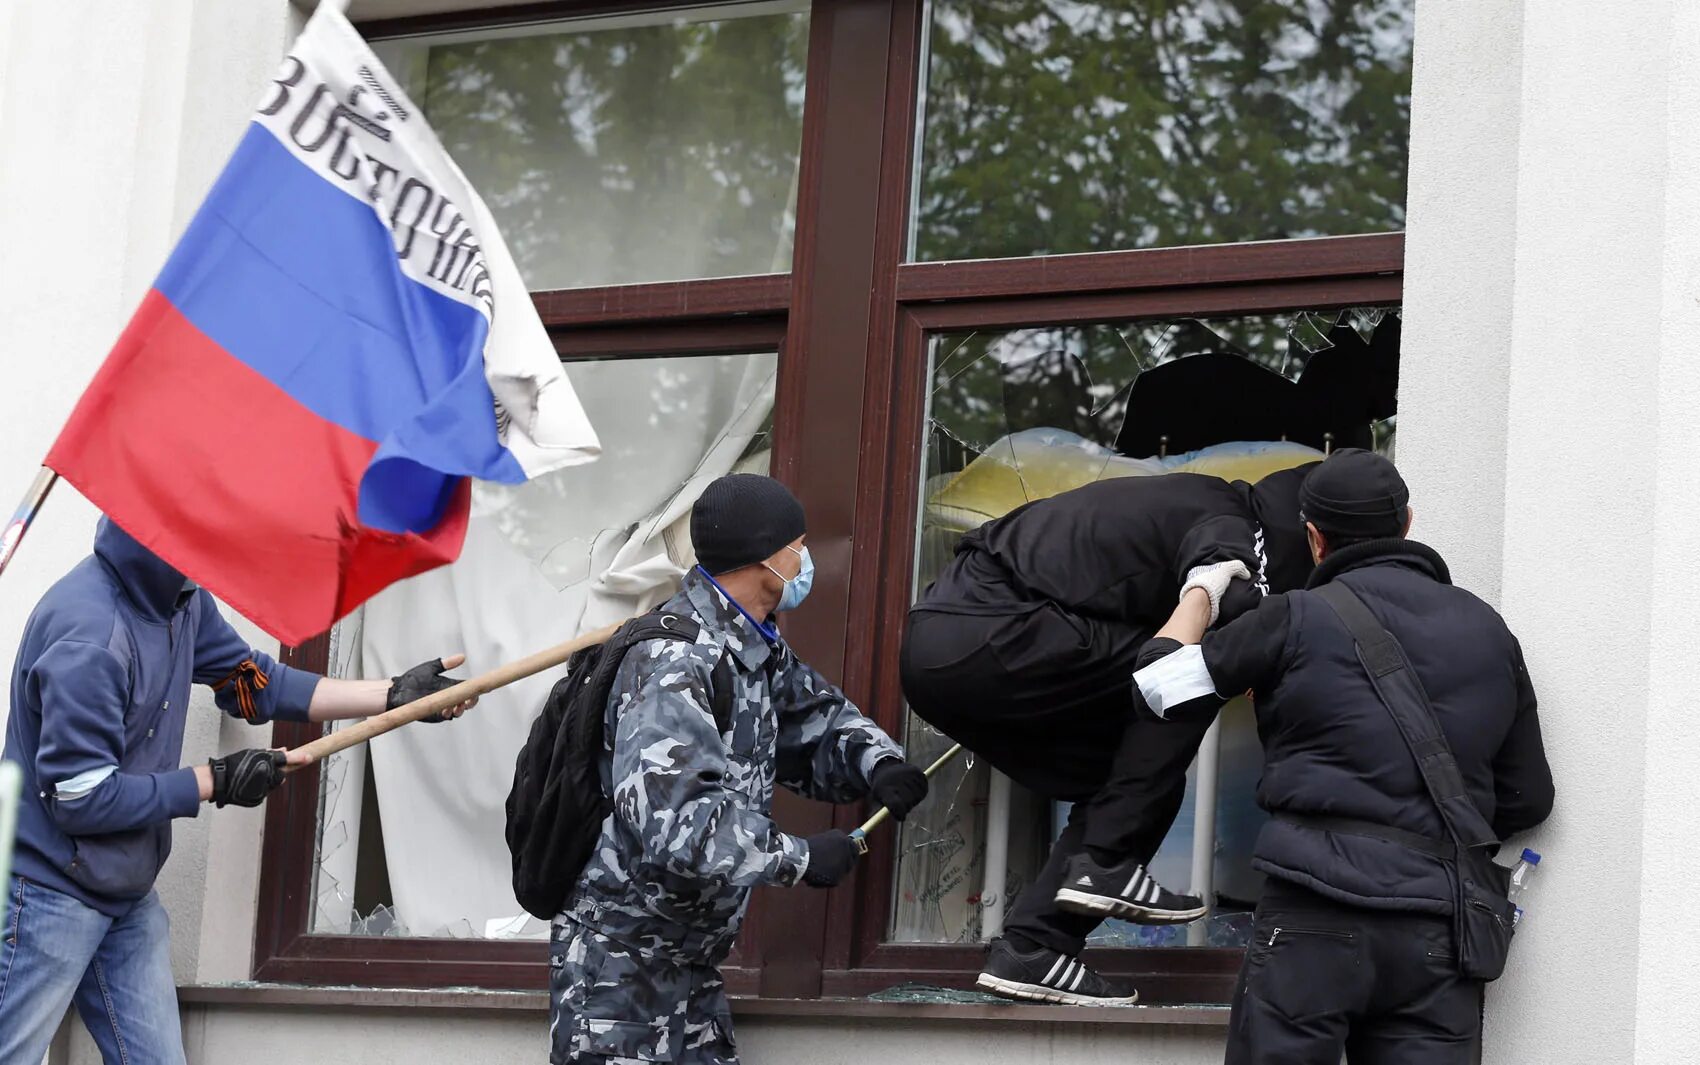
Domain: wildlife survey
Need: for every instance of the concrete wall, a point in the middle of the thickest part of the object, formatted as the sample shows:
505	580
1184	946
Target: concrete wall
359	1037
114	119
1548	393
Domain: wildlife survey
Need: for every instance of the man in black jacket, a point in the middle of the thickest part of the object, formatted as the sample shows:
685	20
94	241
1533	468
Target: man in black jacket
1021	650
1352	946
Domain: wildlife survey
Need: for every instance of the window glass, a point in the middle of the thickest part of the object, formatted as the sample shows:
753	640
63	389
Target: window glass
658	147
1052	126
1024	414
411	825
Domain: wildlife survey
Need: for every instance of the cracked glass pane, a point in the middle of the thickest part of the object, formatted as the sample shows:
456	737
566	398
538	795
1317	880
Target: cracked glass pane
333	909
331	840
1023	414
382	921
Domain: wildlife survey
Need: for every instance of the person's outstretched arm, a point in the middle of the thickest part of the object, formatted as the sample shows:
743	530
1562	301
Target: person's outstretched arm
1184	671
255	687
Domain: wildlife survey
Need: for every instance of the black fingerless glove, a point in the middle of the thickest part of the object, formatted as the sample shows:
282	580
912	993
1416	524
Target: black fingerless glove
424	679
246	777
898	786
831	857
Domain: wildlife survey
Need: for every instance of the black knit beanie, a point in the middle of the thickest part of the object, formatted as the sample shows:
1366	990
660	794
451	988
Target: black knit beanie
742	519
1355	495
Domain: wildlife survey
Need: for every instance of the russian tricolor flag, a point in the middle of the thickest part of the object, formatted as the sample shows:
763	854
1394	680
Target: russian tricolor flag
339	342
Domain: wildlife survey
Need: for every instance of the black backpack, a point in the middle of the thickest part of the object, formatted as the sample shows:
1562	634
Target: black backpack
556	806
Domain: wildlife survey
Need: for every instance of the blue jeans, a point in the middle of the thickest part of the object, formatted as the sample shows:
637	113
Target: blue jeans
56	952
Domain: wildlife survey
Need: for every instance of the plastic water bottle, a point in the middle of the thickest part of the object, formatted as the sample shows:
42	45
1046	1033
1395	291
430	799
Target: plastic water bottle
1521	874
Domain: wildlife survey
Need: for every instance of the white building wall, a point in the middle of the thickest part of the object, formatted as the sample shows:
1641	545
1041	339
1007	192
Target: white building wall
114	119
1667	1026
1558	397
1549	390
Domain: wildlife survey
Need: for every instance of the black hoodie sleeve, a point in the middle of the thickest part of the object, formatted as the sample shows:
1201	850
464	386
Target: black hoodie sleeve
1225	538
1522	779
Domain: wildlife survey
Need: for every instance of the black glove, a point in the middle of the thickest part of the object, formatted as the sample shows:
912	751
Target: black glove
417	683
246	777
898	786
831	857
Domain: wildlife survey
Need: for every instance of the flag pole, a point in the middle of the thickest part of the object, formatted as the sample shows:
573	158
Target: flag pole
501	676
26	512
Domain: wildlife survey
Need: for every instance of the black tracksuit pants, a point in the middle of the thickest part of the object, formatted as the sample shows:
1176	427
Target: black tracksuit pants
1322	978
1046	697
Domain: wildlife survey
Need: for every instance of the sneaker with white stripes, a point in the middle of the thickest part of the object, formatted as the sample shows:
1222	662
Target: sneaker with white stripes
1126	891
1049	976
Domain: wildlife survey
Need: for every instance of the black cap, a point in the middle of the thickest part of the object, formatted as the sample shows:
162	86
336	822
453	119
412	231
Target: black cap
1355	495
742	519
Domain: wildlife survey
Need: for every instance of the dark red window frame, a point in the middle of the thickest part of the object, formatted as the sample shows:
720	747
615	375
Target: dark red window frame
852	322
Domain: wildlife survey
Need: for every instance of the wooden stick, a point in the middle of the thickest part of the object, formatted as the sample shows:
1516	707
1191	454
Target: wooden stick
501	676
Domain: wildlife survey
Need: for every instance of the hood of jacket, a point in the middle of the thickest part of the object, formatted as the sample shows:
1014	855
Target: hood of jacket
154	588
1274	502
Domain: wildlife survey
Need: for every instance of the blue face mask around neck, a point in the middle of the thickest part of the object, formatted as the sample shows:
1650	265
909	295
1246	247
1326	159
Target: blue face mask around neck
797	588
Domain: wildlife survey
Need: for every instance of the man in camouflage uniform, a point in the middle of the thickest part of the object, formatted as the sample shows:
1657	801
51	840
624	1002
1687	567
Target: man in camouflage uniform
634	955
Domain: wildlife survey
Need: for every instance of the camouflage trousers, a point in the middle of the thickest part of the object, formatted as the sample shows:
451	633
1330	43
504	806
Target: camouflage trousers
610	1004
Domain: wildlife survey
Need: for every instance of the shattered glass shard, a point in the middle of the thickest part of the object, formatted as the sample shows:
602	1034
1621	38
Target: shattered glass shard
1365	320
924	994
332	839
461	929
1309	330
331	776
382	921
332	909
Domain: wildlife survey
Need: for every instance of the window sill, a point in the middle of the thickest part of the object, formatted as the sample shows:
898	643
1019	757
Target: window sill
473	1000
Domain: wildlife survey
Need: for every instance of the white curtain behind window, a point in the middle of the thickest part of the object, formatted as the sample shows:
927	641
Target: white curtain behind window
561	556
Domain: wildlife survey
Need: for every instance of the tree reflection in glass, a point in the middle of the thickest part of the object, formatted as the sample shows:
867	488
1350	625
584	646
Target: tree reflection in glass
1070	126
626	153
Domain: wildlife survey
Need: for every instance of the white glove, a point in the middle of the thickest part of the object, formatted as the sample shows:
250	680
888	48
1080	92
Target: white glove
1214	580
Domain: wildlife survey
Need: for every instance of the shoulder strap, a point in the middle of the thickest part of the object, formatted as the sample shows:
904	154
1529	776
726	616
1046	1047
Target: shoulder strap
655	625
720	694
1400	690
665	626
658	625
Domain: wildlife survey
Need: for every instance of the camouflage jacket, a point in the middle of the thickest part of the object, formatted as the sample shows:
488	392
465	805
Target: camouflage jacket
691	835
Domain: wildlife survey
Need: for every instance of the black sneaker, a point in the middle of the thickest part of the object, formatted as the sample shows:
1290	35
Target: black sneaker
1049	976
1126	891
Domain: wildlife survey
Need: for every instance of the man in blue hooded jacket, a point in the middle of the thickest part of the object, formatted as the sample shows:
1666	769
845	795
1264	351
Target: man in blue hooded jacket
99	697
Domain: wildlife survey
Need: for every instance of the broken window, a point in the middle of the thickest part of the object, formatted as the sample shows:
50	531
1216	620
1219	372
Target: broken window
1024	414
654	146
411	826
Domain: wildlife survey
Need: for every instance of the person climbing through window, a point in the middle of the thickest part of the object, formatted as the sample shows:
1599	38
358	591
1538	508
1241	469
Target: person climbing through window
1022	649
